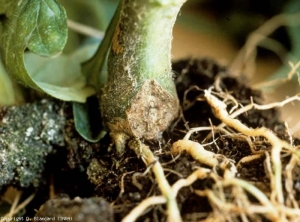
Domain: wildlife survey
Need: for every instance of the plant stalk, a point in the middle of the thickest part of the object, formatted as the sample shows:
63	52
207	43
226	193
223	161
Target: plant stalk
140	98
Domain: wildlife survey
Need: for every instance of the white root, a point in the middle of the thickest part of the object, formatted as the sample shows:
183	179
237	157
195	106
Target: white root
150	160
196	150
277	144
140	209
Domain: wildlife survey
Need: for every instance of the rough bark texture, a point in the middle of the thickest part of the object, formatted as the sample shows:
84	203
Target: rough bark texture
139	99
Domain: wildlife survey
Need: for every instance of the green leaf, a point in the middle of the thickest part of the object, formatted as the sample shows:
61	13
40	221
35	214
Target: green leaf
41	26
61	76
48	31
87	118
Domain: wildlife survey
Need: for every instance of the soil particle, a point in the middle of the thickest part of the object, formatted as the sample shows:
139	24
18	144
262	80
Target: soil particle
28	134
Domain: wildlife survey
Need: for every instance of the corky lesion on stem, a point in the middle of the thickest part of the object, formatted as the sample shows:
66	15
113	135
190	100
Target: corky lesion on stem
116	46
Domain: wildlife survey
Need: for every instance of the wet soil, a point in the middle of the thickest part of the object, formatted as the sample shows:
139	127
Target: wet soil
118	184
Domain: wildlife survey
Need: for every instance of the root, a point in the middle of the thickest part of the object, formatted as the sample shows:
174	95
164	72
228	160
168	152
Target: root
150	160
277	144
197	151
139	210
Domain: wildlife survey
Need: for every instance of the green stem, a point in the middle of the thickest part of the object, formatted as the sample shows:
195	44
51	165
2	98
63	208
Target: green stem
140	99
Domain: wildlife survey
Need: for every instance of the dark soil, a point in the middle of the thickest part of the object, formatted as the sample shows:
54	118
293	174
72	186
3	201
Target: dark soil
118	184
